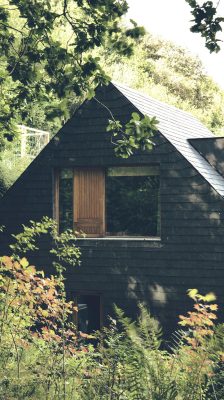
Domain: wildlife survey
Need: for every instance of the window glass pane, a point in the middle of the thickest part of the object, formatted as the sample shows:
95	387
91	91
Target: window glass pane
66	199
88	313
132	201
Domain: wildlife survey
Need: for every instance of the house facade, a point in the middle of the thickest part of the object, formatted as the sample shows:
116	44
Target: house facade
154	222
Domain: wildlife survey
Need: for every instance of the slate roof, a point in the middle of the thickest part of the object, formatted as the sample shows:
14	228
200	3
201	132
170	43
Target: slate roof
178	127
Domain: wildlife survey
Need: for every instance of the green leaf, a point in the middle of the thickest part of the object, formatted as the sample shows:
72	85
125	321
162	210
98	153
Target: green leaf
135	116
90	94
24	263
192	293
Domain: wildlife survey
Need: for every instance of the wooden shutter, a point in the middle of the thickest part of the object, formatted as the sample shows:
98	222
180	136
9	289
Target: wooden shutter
89	201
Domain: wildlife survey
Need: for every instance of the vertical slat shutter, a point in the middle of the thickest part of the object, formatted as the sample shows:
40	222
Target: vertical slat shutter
89	201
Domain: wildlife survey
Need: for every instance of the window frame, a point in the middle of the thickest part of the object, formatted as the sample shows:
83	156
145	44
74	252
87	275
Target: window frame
56	180
56	215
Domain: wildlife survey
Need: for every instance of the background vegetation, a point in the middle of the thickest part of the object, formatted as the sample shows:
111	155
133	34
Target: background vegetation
171	74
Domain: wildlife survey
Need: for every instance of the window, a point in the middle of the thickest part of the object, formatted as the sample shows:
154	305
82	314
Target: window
132	201
88	317
119	201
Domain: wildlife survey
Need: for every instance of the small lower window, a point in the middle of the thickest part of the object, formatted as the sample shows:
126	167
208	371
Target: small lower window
88	317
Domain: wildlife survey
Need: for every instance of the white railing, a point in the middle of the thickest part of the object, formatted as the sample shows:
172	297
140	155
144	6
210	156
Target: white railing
32	141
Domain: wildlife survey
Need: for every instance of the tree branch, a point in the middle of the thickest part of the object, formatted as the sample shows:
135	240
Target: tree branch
11	27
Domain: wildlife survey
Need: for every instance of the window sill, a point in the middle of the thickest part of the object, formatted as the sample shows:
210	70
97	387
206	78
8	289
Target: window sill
120	241
156	238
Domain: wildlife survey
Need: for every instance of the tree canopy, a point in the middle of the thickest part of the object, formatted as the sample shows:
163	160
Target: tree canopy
207	22
46	53
49	57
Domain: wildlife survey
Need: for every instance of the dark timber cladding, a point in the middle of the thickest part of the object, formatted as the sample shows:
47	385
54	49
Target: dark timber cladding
158	271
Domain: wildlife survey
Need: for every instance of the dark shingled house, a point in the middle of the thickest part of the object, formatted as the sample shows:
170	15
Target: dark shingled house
154	223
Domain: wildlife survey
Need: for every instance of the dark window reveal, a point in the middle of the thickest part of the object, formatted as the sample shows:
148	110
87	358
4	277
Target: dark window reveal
88	316
66	199
132	201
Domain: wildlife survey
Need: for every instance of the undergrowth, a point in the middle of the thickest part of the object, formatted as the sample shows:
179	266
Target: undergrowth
43	356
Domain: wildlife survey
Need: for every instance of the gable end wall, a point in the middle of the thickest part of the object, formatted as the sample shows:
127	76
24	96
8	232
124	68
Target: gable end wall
191	251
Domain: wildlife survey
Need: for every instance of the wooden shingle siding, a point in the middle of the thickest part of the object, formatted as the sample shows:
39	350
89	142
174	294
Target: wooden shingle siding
191	250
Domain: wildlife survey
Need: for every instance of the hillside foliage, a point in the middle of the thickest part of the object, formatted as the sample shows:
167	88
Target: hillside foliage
169	73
